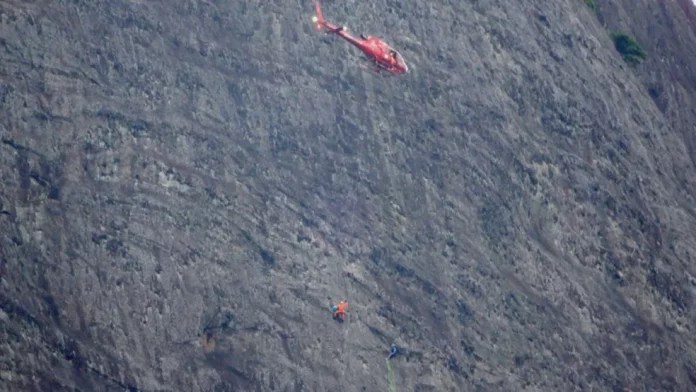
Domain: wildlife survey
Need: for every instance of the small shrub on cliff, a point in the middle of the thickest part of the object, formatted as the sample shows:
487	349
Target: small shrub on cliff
629	48
592	4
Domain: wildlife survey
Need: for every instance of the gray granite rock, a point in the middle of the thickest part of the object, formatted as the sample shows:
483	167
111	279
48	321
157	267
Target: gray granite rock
187	186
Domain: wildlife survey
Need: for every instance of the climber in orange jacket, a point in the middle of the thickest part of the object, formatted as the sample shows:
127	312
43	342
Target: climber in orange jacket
339	310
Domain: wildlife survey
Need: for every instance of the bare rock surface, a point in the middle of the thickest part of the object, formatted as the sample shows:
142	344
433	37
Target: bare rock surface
188	185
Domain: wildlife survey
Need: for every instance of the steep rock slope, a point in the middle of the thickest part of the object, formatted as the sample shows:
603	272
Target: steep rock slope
187	186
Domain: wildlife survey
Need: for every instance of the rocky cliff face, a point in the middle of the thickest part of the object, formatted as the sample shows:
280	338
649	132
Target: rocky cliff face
188	185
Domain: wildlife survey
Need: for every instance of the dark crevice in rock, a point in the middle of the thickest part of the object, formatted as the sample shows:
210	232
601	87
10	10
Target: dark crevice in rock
13	144
68	348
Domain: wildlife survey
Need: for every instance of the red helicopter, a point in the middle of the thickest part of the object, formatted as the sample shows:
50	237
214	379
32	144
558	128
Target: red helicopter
378	51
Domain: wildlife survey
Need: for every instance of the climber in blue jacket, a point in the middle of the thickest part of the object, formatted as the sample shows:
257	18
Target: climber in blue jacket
393	350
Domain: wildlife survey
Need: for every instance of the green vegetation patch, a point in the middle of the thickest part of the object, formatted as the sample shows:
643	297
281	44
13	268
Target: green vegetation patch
592	4
629	48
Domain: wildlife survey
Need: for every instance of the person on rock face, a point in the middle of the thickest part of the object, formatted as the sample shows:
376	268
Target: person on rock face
339	310
393	350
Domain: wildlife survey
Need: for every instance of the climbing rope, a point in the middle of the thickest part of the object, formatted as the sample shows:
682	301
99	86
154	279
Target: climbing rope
390	378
